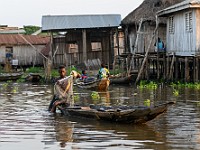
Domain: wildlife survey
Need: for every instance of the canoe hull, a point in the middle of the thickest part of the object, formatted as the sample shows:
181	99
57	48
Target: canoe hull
100	85
10	76
135	115
120	80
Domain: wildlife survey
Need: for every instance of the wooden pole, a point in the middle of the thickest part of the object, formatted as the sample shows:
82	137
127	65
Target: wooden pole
117	40
158	65
146	54
177	66
135	46
171	67
84	36
196	69
187	76
32	46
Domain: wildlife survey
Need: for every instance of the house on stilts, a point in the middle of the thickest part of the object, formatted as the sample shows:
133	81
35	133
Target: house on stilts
80	39
183	41
142	28
145	15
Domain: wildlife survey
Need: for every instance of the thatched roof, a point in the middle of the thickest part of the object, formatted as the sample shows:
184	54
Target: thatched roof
147	10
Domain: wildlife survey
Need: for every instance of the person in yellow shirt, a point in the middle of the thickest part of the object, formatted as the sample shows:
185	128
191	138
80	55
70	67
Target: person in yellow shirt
103	72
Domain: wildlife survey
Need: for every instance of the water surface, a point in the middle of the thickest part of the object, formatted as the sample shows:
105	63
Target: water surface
26	124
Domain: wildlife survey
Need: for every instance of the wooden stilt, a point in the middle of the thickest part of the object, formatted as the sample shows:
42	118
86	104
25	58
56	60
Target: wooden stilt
171	68
197	69
164	66
158	66
176	68
187	77
167	67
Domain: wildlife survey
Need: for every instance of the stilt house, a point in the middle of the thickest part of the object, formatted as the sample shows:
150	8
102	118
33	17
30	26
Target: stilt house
183	39
78	38
141	22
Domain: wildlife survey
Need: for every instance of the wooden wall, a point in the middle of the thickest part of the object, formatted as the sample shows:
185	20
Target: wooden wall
198	30
75	36
145	36
25	54
182	42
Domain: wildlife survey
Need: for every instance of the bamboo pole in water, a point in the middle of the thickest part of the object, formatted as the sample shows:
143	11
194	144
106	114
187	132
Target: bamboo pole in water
146	54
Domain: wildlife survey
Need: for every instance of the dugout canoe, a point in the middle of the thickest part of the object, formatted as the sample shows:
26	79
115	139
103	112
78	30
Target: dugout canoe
125	114
33	77
95	84
10	76
121	79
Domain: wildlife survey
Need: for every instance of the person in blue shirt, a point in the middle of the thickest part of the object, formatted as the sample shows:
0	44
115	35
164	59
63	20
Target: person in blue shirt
103	72
159	45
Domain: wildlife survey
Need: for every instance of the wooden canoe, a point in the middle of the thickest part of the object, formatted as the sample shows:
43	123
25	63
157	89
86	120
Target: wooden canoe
96	84
120	79
10	76
129	114
33	77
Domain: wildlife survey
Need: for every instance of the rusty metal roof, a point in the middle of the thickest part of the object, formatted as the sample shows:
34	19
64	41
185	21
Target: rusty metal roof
16	39
64	22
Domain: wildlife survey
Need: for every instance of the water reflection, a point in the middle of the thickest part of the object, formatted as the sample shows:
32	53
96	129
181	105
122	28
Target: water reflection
83	134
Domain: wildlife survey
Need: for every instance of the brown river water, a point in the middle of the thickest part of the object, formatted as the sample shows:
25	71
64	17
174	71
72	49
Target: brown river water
25	123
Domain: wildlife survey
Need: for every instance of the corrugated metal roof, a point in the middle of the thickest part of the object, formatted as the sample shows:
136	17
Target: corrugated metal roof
12	31
180	6
62	22
16	39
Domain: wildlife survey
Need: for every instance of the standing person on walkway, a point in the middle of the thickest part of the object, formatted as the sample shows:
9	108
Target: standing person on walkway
159	45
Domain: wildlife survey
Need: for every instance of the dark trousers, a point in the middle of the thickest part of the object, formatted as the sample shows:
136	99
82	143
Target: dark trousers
52	102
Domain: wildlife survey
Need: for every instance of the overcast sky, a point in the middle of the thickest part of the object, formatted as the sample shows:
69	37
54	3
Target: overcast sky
29	12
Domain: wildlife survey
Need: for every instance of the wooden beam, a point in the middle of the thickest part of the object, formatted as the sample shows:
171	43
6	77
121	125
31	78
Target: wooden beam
84	38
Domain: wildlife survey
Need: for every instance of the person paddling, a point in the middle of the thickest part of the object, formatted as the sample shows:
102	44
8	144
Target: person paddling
103	72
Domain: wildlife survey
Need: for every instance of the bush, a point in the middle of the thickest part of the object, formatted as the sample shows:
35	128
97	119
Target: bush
35	70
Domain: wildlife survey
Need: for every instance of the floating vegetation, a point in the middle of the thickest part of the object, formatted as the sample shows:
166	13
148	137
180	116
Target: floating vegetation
95	95
195	85
20	80
176	92
76	97
5	85
149	85
9	81
15	89
147	102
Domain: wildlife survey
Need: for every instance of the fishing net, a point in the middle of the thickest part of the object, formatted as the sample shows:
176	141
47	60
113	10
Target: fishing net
60	89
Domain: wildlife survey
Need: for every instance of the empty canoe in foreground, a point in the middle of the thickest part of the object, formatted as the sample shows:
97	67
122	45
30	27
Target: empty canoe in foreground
128	114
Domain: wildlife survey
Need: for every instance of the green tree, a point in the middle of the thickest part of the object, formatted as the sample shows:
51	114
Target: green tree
31	29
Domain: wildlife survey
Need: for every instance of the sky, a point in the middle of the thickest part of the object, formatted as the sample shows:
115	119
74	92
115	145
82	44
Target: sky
17	13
